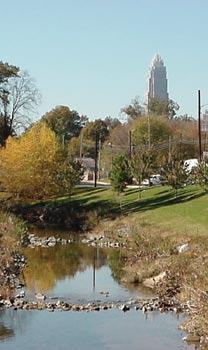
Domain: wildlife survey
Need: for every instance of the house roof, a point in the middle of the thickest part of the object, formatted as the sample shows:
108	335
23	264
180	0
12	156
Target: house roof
87	163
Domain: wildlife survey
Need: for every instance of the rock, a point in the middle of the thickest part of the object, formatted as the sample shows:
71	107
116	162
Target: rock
192	339
105	293
7	303
105	307
151	282
183	248
40	296
21	294
124	308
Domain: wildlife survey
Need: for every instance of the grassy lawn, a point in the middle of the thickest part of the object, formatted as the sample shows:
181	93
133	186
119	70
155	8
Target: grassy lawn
187	212
156	205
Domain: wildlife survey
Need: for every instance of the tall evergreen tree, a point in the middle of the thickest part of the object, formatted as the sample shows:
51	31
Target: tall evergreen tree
120	175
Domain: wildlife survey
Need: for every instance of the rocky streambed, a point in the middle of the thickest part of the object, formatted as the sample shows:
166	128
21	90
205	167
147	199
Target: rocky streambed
42	302
33	240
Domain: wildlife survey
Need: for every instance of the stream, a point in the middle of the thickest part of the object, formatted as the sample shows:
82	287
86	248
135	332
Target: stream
78	273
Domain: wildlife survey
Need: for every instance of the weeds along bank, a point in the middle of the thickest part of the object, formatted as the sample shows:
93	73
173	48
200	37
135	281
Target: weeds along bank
11	259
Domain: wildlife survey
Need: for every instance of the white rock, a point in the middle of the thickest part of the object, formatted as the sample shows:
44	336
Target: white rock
183	248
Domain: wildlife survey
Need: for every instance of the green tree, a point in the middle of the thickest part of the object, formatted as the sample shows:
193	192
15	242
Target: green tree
98	127
200	174
120	175
93	132
7	71
64	122
149	128
112	122
134	109
69	174
176	173
143	164
160	107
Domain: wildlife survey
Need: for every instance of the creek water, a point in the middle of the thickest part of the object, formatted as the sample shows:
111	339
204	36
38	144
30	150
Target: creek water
78	273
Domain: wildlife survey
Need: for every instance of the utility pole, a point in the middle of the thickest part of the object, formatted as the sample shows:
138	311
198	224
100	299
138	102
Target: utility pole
130	145
169	149
199	125
81	140
96	158
149	132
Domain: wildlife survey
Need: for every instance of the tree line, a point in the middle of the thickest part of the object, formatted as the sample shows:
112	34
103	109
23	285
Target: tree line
43	158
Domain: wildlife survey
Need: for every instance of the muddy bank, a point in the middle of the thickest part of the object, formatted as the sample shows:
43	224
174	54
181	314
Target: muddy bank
42	215
12	260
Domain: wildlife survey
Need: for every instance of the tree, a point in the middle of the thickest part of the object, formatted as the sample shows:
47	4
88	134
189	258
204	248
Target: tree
112	122
118	140
149	129
184	138
176	173
74	147
143	163
120	175
98	127
18	100
94	132
7	71
160	107
64	122
200	174
134	110
34	165
69	174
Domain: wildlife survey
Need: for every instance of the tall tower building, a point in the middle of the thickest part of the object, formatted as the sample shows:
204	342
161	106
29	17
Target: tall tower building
157	83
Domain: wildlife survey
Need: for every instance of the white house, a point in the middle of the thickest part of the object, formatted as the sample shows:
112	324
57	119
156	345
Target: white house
88	165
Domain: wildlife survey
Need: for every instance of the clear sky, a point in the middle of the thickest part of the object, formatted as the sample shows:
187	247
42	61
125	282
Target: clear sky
94	55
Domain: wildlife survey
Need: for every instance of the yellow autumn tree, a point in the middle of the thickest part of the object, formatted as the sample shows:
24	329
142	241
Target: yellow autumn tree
29	164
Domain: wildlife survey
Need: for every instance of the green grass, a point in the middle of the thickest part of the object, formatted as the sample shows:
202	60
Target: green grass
157	205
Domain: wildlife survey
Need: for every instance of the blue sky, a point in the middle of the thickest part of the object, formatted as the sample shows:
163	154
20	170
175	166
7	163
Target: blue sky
93	56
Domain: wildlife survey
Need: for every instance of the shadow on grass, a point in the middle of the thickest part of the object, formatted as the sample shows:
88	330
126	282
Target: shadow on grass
90	200
92	204
162	199
129	201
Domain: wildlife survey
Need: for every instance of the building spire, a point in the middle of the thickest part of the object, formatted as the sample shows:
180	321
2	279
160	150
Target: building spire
157	83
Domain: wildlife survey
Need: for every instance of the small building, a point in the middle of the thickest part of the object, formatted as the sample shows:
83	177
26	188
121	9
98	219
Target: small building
88	165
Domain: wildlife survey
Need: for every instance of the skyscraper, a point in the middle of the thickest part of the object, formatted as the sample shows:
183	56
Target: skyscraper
157	83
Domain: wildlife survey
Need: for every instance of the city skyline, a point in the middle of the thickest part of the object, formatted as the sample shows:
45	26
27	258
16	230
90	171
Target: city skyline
94	56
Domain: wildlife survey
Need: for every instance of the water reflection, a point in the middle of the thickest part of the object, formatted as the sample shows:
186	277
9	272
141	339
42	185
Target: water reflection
5	332
47	266
79	272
